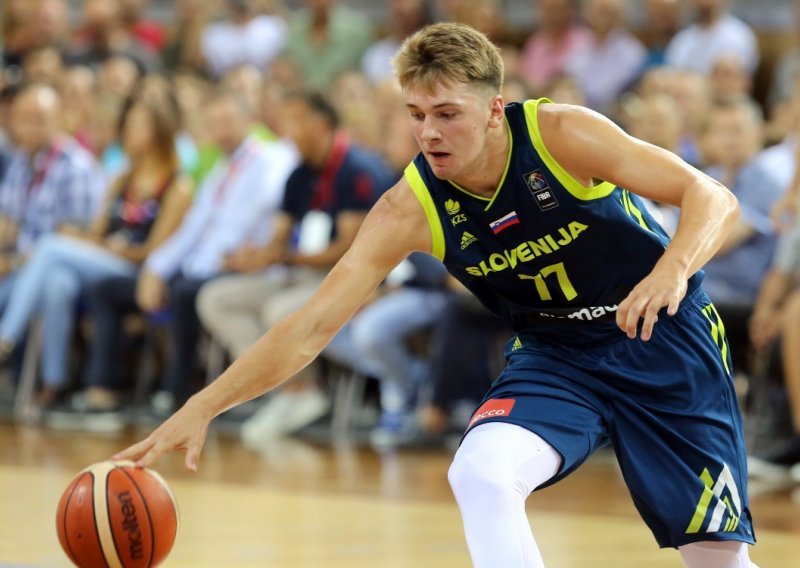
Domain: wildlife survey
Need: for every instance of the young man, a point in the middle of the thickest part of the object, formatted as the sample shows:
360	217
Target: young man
506	197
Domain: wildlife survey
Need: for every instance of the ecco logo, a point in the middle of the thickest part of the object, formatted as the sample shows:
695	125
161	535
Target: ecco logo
493	408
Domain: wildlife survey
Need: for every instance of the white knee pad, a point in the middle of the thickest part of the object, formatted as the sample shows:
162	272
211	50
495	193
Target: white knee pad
716	554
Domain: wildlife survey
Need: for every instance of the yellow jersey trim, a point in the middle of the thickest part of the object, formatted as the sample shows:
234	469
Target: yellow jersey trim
434	222
572	185
492	199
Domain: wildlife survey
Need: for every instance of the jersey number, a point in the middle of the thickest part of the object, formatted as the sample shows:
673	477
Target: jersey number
561	277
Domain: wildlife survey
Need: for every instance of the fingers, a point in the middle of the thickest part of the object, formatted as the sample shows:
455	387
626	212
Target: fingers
643	307
192	458
134	452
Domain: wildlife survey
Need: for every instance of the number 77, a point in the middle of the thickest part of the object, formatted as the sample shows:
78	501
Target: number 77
561	276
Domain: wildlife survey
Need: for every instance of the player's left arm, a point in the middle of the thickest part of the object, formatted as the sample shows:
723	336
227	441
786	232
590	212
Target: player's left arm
589	146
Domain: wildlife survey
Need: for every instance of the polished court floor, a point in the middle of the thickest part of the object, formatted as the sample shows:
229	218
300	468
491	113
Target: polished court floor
291	504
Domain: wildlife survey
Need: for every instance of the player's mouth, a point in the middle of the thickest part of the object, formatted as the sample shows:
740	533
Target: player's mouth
438	156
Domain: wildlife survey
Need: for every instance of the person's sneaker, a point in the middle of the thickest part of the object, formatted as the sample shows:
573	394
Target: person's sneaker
394	429
777	466
84	415
283	414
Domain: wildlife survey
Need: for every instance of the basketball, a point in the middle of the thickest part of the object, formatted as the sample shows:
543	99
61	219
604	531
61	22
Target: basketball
115	514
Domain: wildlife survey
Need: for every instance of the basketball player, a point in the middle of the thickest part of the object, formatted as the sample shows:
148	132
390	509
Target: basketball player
534	207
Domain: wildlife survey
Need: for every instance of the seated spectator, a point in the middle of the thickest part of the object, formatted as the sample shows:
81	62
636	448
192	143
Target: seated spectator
714	33
145	31
734	137
132	222
692	93
42	65
777	316
183	49
485	16
662	22
729	79
787	68
565	90
244	37
235	207
405	17
77	85
378	338
338	182
612	58
103	34
51	181
558	35
325	39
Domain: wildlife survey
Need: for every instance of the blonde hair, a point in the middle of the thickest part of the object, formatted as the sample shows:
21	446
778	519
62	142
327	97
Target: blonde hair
448	53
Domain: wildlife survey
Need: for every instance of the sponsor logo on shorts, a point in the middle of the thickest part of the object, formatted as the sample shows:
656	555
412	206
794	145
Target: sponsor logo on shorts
493	408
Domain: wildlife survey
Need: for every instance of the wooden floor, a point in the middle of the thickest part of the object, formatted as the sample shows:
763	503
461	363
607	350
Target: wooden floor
291	504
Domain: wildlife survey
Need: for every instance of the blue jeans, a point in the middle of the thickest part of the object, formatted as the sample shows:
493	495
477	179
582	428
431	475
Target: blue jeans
50	284
377	336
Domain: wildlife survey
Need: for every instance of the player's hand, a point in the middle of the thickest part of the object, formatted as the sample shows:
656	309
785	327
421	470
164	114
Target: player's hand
661	288
184	430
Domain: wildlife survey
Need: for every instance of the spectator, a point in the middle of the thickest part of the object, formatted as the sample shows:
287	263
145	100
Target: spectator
77	85
183	49
353	97
777	316
714	33
486	17
117	76
50	182
245	37
235	206
337	180
787	68
565	90
692	93
378	338
132	222
729	79
147	32
42	65
557	37
405	17
662	22
733	276
325	39
103	34
18	32
611	60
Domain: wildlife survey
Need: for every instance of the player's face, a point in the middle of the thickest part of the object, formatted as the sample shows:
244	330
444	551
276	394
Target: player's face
451	126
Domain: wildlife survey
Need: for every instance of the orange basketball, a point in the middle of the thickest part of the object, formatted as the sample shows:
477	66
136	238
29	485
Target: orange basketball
116	515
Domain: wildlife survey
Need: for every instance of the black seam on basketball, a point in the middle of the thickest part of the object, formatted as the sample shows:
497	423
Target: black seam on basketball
94	518
149	518
70	552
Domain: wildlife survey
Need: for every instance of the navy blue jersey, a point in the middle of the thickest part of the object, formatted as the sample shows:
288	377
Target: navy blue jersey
544	253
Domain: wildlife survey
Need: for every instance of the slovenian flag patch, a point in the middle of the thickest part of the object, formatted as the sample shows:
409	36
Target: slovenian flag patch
504	222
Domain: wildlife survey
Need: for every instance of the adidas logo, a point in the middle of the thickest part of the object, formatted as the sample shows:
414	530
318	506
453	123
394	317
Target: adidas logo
452	207
467	239
517	344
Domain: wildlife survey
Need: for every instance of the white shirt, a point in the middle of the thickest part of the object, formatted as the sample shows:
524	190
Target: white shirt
377	61
698	49
226	45
236	205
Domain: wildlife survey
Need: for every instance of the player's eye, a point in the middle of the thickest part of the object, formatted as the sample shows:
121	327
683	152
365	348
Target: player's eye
417	116
447	115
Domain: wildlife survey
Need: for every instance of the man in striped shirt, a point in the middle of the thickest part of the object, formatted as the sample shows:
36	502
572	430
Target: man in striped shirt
50	180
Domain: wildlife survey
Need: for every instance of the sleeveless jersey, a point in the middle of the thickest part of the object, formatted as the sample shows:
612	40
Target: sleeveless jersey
548	255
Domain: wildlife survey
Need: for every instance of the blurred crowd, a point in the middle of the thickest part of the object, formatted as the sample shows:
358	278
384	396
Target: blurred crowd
170	189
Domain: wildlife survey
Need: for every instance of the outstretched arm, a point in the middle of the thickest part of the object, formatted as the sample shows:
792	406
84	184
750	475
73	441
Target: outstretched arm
395	227
589	146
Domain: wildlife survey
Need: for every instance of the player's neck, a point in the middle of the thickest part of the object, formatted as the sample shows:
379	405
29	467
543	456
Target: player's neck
484	175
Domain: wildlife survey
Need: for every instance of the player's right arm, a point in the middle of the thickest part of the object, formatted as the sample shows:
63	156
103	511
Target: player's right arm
395	227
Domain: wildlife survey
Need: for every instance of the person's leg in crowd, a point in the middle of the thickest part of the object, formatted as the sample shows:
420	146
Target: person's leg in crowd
380	333
229	308
184	336
301	401
466	328
110	300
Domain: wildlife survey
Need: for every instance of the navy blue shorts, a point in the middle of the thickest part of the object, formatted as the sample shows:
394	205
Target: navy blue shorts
667	407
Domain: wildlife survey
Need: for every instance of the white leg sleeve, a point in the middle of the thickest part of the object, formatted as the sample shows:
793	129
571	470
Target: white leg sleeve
713	554
497	466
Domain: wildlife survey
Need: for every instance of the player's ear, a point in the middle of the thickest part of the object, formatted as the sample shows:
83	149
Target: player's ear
497	111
